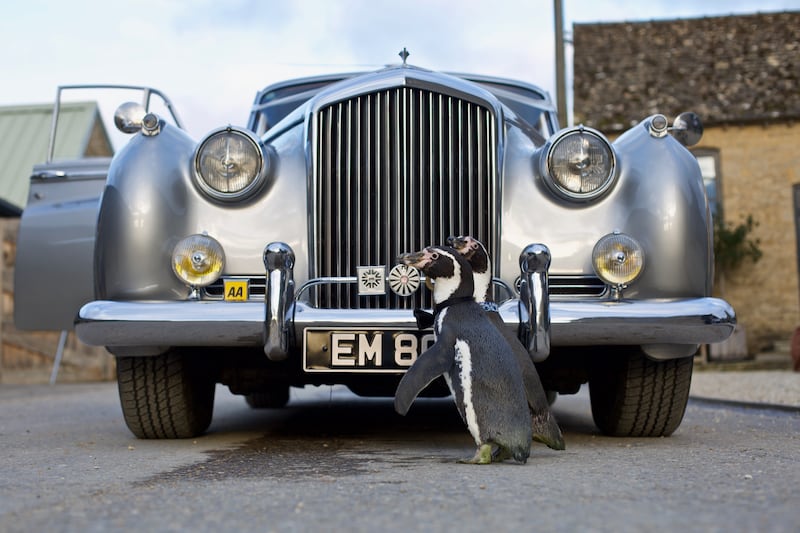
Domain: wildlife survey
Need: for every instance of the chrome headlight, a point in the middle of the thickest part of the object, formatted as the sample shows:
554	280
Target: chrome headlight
580	164
618	259
230	164
198	260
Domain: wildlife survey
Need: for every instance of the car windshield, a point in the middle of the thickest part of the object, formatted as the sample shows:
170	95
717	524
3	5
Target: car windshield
529	105
276	102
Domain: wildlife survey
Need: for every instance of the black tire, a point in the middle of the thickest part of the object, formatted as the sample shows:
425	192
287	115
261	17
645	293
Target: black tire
633	396
169	396
274	397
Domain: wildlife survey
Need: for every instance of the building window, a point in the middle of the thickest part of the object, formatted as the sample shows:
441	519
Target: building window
708	158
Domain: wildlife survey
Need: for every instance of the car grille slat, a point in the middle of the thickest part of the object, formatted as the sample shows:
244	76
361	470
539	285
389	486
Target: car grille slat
580	286
394	171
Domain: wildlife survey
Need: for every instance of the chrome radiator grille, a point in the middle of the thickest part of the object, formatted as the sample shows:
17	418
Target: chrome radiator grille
395	171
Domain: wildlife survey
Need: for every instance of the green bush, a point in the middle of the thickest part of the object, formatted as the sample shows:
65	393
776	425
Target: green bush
733	244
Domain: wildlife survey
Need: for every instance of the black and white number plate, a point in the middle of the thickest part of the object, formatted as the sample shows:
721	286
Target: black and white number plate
361	350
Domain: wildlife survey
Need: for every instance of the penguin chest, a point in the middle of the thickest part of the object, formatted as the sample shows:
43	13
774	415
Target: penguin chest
461	386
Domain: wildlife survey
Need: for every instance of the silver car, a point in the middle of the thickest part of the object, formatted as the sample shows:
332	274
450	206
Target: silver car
265	257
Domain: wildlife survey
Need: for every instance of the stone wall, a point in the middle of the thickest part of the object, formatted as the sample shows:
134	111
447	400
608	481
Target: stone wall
29	356
758	167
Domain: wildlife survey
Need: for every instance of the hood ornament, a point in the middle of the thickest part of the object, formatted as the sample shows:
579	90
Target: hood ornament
404	54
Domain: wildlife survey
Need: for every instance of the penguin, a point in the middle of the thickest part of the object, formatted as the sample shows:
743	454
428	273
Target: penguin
475	360
543	423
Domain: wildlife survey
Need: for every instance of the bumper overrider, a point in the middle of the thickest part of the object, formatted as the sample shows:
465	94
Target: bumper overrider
665	328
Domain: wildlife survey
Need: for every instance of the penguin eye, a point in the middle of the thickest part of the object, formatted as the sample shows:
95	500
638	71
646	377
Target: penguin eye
434	256
473	245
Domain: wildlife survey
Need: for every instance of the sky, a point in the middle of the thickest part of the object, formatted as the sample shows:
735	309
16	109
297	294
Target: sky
211	57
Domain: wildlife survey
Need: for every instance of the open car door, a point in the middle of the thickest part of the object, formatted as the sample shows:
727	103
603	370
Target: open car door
55	245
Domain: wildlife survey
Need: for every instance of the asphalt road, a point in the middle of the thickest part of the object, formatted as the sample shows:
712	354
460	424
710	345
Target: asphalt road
333	462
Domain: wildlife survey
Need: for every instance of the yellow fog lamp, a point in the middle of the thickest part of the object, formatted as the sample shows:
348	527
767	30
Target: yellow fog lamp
198	260
618	260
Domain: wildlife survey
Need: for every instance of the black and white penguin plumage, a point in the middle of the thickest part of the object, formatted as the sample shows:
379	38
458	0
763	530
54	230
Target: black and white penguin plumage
475	359
543	423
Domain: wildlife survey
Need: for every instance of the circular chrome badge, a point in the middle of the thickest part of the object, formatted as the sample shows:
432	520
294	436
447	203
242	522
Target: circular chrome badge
404	280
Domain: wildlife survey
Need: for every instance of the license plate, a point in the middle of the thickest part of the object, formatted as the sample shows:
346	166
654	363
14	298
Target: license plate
361	350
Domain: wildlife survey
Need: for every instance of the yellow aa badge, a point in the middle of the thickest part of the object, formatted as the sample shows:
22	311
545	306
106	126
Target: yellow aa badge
236	290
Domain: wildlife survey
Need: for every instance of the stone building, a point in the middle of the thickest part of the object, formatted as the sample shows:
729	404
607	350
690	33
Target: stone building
740	74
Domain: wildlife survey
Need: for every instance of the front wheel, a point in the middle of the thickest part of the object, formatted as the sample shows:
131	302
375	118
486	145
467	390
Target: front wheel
168	396
633	396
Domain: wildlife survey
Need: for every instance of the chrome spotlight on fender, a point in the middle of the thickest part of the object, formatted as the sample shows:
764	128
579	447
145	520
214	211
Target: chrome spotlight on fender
151	125
129	116
687	128
658	126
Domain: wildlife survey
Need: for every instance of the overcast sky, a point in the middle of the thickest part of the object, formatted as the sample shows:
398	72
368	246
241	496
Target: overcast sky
211	56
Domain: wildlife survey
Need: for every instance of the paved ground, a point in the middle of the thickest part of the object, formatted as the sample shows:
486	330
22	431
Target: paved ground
767	378
779	387
331	461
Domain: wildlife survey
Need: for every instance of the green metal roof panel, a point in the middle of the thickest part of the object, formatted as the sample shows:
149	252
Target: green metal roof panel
24	138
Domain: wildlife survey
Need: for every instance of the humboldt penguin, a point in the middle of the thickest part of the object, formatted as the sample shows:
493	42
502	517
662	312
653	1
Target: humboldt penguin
543	423
475	359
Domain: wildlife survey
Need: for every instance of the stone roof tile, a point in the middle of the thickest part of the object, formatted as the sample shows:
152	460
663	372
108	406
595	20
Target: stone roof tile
733	69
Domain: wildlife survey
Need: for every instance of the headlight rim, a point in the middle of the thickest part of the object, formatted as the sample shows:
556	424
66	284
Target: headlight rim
563	192
249	190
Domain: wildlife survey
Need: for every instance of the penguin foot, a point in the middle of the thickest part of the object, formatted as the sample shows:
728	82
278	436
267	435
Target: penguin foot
483	456
501	454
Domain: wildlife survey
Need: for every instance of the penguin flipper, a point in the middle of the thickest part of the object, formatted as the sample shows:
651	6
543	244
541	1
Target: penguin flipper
534	391
543	423
431	364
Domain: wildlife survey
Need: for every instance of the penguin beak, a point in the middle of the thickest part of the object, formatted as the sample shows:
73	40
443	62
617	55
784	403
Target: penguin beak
459	243
463	245
411	258
415	259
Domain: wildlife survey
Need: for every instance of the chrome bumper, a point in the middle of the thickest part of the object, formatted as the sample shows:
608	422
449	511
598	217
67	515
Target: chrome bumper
689	321
278	324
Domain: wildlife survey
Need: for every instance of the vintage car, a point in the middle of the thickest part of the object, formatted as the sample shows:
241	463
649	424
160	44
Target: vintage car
265	257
